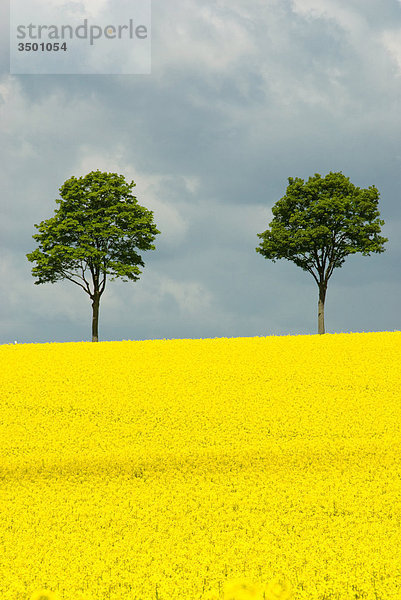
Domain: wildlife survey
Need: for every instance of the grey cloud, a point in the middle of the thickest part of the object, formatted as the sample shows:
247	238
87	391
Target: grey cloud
242	96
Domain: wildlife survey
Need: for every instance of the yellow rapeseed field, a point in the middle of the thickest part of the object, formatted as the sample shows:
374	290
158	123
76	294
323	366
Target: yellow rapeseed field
188	469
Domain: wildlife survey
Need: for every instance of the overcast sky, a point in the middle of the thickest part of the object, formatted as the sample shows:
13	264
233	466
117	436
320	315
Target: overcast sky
242	95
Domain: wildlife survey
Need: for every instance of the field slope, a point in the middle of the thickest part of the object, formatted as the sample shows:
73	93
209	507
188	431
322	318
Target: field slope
160	469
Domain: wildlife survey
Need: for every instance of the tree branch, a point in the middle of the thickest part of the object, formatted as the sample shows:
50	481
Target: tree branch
95	279
315	255
70	278
324	257
310	270
83	269
103	283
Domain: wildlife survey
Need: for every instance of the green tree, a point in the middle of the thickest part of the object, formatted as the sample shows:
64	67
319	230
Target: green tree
96	231
320	222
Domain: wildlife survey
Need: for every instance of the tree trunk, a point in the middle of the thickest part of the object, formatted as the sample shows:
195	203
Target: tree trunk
95	316
320	308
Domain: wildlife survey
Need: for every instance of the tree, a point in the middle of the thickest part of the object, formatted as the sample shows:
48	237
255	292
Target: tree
320	222
96	231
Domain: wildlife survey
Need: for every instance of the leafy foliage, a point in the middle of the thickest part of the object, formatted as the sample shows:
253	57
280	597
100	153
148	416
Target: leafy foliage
320	222
96	231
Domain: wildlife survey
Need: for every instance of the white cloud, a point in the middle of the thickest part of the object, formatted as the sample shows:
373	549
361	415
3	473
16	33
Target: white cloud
343	14
150	294
192	297
88	8
53	114
192	183
205	36
392	43
65	10
47	299
171	217
152	190
367	37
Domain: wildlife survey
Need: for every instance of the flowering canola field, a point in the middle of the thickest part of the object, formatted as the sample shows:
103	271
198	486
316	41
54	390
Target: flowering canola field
160	470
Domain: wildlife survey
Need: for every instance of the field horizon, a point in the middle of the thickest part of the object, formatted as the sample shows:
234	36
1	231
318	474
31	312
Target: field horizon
284	335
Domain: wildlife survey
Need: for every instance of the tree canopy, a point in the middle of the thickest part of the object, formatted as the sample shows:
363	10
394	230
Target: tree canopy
318	223
96	232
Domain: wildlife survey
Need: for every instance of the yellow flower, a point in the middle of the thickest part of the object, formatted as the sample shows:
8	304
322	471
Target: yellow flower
136	441
44	595
211	595
279	589
241	589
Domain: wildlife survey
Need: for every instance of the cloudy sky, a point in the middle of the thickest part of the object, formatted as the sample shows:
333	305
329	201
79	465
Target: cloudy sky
242	95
